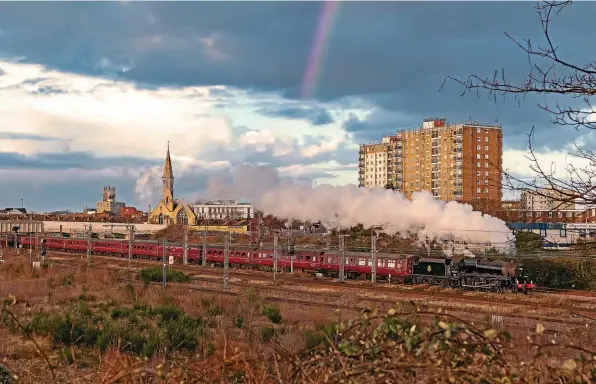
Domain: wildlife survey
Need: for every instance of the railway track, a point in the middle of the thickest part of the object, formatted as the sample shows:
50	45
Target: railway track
337	291
554	326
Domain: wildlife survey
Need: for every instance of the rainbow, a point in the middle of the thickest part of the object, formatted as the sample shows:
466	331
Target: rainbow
326	19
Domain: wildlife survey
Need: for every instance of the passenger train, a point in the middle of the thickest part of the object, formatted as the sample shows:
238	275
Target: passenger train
465	273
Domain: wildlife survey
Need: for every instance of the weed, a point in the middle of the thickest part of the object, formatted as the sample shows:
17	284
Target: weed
5	376
149	275
272	313
267	333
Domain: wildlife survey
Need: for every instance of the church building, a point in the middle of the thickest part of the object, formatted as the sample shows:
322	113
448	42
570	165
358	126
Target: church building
168	210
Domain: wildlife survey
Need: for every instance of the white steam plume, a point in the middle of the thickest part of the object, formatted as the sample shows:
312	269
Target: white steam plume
346	206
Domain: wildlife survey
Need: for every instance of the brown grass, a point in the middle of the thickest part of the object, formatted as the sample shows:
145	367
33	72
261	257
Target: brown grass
233	352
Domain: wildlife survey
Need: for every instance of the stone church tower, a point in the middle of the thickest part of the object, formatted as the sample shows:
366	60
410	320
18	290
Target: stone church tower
167	189
168	210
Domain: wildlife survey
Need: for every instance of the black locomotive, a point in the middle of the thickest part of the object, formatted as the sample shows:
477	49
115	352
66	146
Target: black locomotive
472	274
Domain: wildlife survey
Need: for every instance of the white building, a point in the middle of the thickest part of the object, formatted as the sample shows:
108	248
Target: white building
373	165
223	209
545	199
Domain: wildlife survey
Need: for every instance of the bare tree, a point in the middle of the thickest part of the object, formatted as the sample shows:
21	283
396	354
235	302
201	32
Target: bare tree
550	74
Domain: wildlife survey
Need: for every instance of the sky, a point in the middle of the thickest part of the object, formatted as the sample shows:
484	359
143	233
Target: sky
90	93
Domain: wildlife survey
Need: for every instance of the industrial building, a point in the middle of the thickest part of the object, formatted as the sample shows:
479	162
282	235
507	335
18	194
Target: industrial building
461	162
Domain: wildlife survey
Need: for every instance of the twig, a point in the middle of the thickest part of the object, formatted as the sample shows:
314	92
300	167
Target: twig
33	340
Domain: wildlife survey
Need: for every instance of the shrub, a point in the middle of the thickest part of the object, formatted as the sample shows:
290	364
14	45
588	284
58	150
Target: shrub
5	377
272	313
267	333
239	322
149	275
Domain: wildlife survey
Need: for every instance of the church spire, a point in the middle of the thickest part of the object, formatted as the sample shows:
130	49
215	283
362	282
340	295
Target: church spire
167	189
168	173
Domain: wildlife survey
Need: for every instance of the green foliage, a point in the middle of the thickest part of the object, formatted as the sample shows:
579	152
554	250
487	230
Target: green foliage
141	330
528	241
561	272
267	333
211	308
149	275
272	313
239	322
5	377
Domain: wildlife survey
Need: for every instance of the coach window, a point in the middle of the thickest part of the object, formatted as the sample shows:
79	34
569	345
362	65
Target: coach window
307	258
542	232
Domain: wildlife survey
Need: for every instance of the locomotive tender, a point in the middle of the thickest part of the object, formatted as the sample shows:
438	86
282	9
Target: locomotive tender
462	273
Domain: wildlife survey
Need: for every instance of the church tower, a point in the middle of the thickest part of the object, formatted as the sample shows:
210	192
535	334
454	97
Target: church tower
167	189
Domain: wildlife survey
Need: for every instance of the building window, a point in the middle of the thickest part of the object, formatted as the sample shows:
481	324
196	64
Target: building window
486	173
485	165
478	165
485	190
478	139
550	214
477	147
477	130
486	147
563	232
486	139
477	181
560	214
182	218
486	156
478	156
485	182
485	130
477	173
477	190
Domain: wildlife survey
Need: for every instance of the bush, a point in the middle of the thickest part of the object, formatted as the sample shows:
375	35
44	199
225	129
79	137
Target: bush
5	376
165	327
149	275
273	314
561	272
267	333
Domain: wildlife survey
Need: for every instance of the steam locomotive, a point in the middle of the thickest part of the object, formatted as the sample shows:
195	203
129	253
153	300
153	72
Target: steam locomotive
463	273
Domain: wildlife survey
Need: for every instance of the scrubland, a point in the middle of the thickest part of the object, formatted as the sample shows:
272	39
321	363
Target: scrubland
70	324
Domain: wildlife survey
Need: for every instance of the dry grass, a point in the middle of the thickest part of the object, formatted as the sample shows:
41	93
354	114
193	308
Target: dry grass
241	344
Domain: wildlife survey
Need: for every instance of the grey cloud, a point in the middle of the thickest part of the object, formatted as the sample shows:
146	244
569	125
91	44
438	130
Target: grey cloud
315	115
77	160
25	136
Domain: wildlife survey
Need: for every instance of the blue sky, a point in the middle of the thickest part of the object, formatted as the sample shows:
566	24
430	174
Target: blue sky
91	92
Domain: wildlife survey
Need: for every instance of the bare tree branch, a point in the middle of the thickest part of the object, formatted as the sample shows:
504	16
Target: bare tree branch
550	74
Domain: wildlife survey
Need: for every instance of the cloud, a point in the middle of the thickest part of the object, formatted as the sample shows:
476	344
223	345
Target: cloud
316	115
222	80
